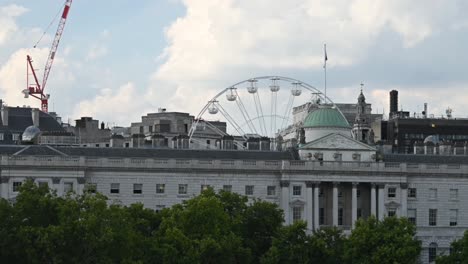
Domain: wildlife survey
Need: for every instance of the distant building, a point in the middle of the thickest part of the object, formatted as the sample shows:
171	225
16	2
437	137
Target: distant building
403	132
15	120
90	133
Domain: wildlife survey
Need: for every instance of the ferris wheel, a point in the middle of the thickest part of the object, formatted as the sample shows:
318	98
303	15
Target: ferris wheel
256	107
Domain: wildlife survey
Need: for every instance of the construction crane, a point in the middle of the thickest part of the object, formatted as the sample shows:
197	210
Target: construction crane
36	89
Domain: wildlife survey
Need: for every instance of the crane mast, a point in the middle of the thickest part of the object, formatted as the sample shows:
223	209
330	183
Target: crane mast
37	90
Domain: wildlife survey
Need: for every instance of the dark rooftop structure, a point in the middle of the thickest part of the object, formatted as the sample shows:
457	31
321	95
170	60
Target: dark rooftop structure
14	120
44	150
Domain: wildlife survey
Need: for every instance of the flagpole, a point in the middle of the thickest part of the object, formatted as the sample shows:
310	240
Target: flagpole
325	69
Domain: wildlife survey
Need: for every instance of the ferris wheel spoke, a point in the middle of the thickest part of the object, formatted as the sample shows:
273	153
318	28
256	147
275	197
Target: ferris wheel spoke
231	120
258	104
286	111
245	114
216	129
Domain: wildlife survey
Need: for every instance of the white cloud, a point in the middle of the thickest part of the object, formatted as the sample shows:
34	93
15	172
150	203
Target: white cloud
217	42
7	21
117	105
13	76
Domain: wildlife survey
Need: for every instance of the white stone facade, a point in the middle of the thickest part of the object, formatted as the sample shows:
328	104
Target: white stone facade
321	193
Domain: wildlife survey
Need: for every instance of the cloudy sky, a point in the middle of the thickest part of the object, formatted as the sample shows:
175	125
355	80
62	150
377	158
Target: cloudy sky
123	58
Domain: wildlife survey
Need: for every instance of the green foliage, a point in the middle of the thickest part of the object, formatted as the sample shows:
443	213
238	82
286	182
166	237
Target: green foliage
389	241
224	227
458	253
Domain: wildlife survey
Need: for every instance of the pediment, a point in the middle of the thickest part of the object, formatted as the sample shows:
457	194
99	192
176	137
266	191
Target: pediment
337	141
297	202
392	204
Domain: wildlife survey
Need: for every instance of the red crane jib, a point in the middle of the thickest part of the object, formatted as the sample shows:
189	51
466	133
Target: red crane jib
37	90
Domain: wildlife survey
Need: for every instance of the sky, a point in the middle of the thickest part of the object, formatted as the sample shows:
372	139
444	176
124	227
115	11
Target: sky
121	59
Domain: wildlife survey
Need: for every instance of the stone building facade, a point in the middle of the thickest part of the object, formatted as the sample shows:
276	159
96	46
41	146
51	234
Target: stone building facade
323	193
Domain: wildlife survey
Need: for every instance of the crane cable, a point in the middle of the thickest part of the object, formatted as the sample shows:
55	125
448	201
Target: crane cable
48	27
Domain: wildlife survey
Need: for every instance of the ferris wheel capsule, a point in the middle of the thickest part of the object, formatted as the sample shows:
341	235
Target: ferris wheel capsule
253	86
213	109
231	95
296	90
274	87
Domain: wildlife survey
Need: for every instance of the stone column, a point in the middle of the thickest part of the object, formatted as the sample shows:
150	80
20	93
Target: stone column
285	200
316	205
335	204
5	187
404	200
80	186
381	189
354	204
56	186
373	200
309	204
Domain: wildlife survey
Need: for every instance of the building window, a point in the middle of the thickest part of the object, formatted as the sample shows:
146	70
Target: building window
321	216
297	213
338	156
160	207
160	188
183	188
453	217
453	194
204	187
115	188
411	192
227	188
391	192
340	193
249	190
359	213
412	216
1	136
137	188
358	193
271	190
432	217
15	136
67	187
357	157
432	252
320	192
391	212
297	190
43	184
340	216
90	188
127	144
97	145
432	193
16	186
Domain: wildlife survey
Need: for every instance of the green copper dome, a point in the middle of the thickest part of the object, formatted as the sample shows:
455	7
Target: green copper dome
325	117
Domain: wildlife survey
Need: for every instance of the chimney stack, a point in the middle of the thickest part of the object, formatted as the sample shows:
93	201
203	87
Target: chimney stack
35	117
4	114
425	110
393	102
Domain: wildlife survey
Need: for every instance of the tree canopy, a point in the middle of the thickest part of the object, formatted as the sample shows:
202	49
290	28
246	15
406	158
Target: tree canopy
223	227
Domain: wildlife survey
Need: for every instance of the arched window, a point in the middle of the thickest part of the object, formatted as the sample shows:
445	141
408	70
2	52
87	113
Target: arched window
432	252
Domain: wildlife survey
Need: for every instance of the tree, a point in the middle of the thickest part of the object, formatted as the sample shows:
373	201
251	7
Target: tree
389	241
262	222
290	246
327	246
458	252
